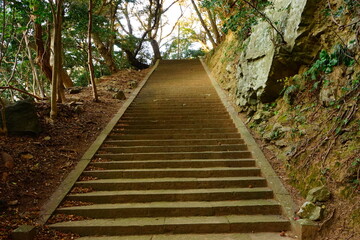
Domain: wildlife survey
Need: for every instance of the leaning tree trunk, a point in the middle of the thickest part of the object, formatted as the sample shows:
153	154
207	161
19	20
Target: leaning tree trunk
36	82
105	53
214	27
208	33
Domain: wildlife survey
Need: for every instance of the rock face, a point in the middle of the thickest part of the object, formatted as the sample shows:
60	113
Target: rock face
21	119
319	194
264	61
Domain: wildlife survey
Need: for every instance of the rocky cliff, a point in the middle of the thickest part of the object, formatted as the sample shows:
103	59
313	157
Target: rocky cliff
300	93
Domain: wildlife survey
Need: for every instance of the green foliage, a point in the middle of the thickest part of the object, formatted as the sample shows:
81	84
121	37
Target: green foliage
353	6
182	46
326	62
237	17
354	172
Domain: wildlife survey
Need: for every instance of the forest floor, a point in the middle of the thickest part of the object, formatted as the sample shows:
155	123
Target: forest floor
42	162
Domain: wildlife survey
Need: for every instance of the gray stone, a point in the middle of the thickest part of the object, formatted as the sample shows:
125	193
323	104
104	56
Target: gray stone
349	71
257	118
277	127
119	95
133	84
310	211
319	194
74	90
267	136
327	95
78	109
112	89
251	112
21	118
281	143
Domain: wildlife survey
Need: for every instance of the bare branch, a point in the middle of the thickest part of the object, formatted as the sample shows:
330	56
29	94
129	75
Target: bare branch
267	19
22	91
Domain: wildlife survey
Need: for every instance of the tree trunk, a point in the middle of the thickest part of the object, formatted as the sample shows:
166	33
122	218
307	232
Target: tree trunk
37	86
43	57
208	33
156	49
56	46
214	27
105	53
90	63
3	128
133	61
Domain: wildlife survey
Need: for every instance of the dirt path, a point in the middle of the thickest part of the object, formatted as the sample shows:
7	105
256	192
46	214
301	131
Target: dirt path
42	162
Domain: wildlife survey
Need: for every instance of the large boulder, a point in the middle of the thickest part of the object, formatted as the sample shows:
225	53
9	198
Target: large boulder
310	211
265	60
319	194
21	119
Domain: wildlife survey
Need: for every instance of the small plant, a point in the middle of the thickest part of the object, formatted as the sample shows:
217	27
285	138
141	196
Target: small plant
326	61
355	172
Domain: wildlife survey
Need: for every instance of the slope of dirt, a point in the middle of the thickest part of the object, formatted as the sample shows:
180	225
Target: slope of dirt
42	162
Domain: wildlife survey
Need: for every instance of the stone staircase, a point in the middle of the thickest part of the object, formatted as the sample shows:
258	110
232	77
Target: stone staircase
175	167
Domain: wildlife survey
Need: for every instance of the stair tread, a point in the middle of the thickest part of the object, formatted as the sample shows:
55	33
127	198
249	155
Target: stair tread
144	180
165	153
229	219
190	204
173	191
175	169
182	160
227	236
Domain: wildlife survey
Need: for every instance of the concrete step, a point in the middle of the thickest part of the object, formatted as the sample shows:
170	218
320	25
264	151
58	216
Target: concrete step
176	155
190	163
125	130
175	209
194	101
175	104
224	236
174	172
174	126
176	116
170	111
173	121
174	136
180	148
175	225
175	142
133	196
172	183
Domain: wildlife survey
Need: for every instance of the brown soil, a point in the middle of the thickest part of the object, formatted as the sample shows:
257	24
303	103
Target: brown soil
42	162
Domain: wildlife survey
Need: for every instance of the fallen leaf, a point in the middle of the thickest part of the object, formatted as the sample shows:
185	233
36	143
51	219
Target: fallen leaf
13	203
47	138
27	156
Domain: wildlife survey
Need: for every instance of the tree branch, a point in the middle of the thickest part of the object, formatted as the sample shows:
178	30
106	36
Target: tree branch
22	91
267	19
